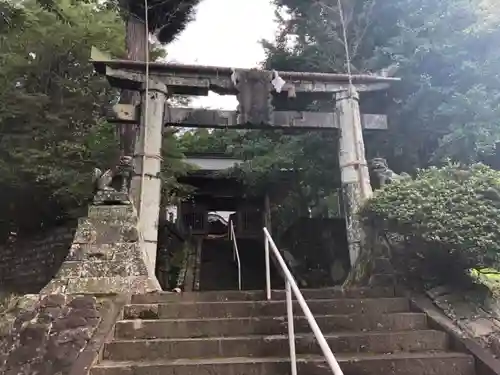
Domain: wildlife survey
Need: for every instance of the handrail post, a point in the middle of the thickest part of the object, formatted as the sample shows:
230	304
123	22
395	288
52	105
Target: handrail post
291	331
268	270
231	237
236	253
292	284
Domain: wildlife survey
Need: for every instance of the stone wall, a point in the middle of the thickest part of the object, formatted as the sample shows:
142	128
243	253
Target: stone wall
373	266
56	334
320	251
188	279
107	255
475	311
171	244
28	265
48	337
62	329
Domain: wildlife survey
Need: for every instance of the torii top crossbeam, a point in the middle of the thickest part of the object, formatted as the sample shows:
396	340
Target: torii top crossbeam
254	90
199	79
181	69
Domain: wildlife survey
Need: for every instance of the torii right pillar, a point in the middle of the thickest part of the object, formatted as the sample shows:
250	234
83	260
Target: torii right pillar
355	179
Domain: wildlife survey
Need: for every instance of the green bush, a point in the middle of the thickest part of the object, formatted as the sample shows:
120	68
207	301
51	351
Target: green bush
451	212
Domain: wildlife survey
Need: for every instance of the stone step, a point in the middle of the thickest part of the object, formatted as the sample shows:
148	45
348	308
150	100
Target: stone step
259	295
184	328
194	310
272	346
426	363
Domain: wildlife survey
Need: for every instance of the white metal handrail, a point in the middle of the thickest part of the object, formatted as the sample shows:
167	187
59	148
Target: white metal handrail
236	253
291	286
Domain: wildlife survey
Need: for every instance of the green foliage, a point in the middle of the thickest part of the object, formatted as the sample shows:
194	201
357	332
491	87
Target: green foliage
51	109
272	157
488	277
447	103
53	133
172	168
451	210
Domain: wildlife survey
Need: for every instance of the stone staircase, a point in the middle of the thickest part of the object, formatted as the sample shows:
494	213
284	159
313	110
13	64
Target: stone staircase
371	331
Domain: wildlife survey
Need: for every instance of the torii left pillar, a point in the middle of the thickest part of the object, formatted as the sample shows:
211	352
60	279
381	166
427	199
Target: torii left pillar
146	182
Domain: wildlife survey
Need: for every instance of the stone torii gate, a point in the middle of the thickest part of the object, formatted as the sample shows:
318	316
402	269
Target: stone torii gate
255	90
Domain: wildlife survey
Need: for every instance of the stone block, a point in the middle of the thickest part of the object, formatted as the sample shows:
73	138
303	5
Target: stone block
69	269
131	267
128	329
481	327
445	302
381	280
111	197
57	285
85	233
53	300
494	343
126	252
49	337
97	285
382	265
144	284
146	311
439	291
113	219
83	302
79	252
465	310
116	251
277	345
492	304
398	363
112	212
112	284
101	233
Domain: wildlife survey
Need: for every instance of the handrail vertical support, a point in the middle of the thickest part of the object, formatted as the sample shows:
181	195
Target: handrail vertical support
291	330
291	286
268	271
236	252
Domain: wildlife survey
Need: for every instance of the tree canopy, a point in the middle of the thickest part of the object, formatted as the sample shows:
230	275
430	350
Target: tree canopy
53	132
446	106
52	108
51	105
447	102
166	19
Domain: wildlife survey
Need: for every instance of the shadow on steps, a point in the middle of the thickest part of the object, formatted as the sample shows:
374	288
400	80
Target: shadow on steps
219	271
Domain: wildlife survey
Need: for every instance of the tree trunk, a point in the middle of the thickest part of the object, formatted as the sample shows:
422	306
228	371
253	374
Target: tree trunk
136	45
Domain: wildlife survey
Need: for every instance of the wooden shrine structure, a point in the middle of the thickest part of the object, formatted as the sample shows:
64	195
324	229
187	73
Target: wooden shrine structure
255	91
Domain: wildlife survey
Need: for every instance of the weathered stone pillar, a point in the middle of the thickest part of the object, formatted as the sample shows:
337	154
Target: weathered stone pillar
146	183
354	170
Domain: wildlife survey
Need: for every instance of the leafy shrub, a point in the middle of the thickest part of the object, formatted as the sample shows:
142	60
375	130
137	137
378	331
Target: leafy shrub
452	212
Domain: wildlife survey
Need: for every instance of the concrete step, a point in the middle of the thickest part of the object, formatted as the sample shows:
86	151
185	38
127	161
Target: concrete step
184	328
272	346
193	310
259	295
351	364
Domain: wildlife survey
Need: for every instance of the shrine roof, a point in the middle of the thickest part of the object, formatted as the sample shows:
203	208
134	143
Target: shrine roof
211	162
